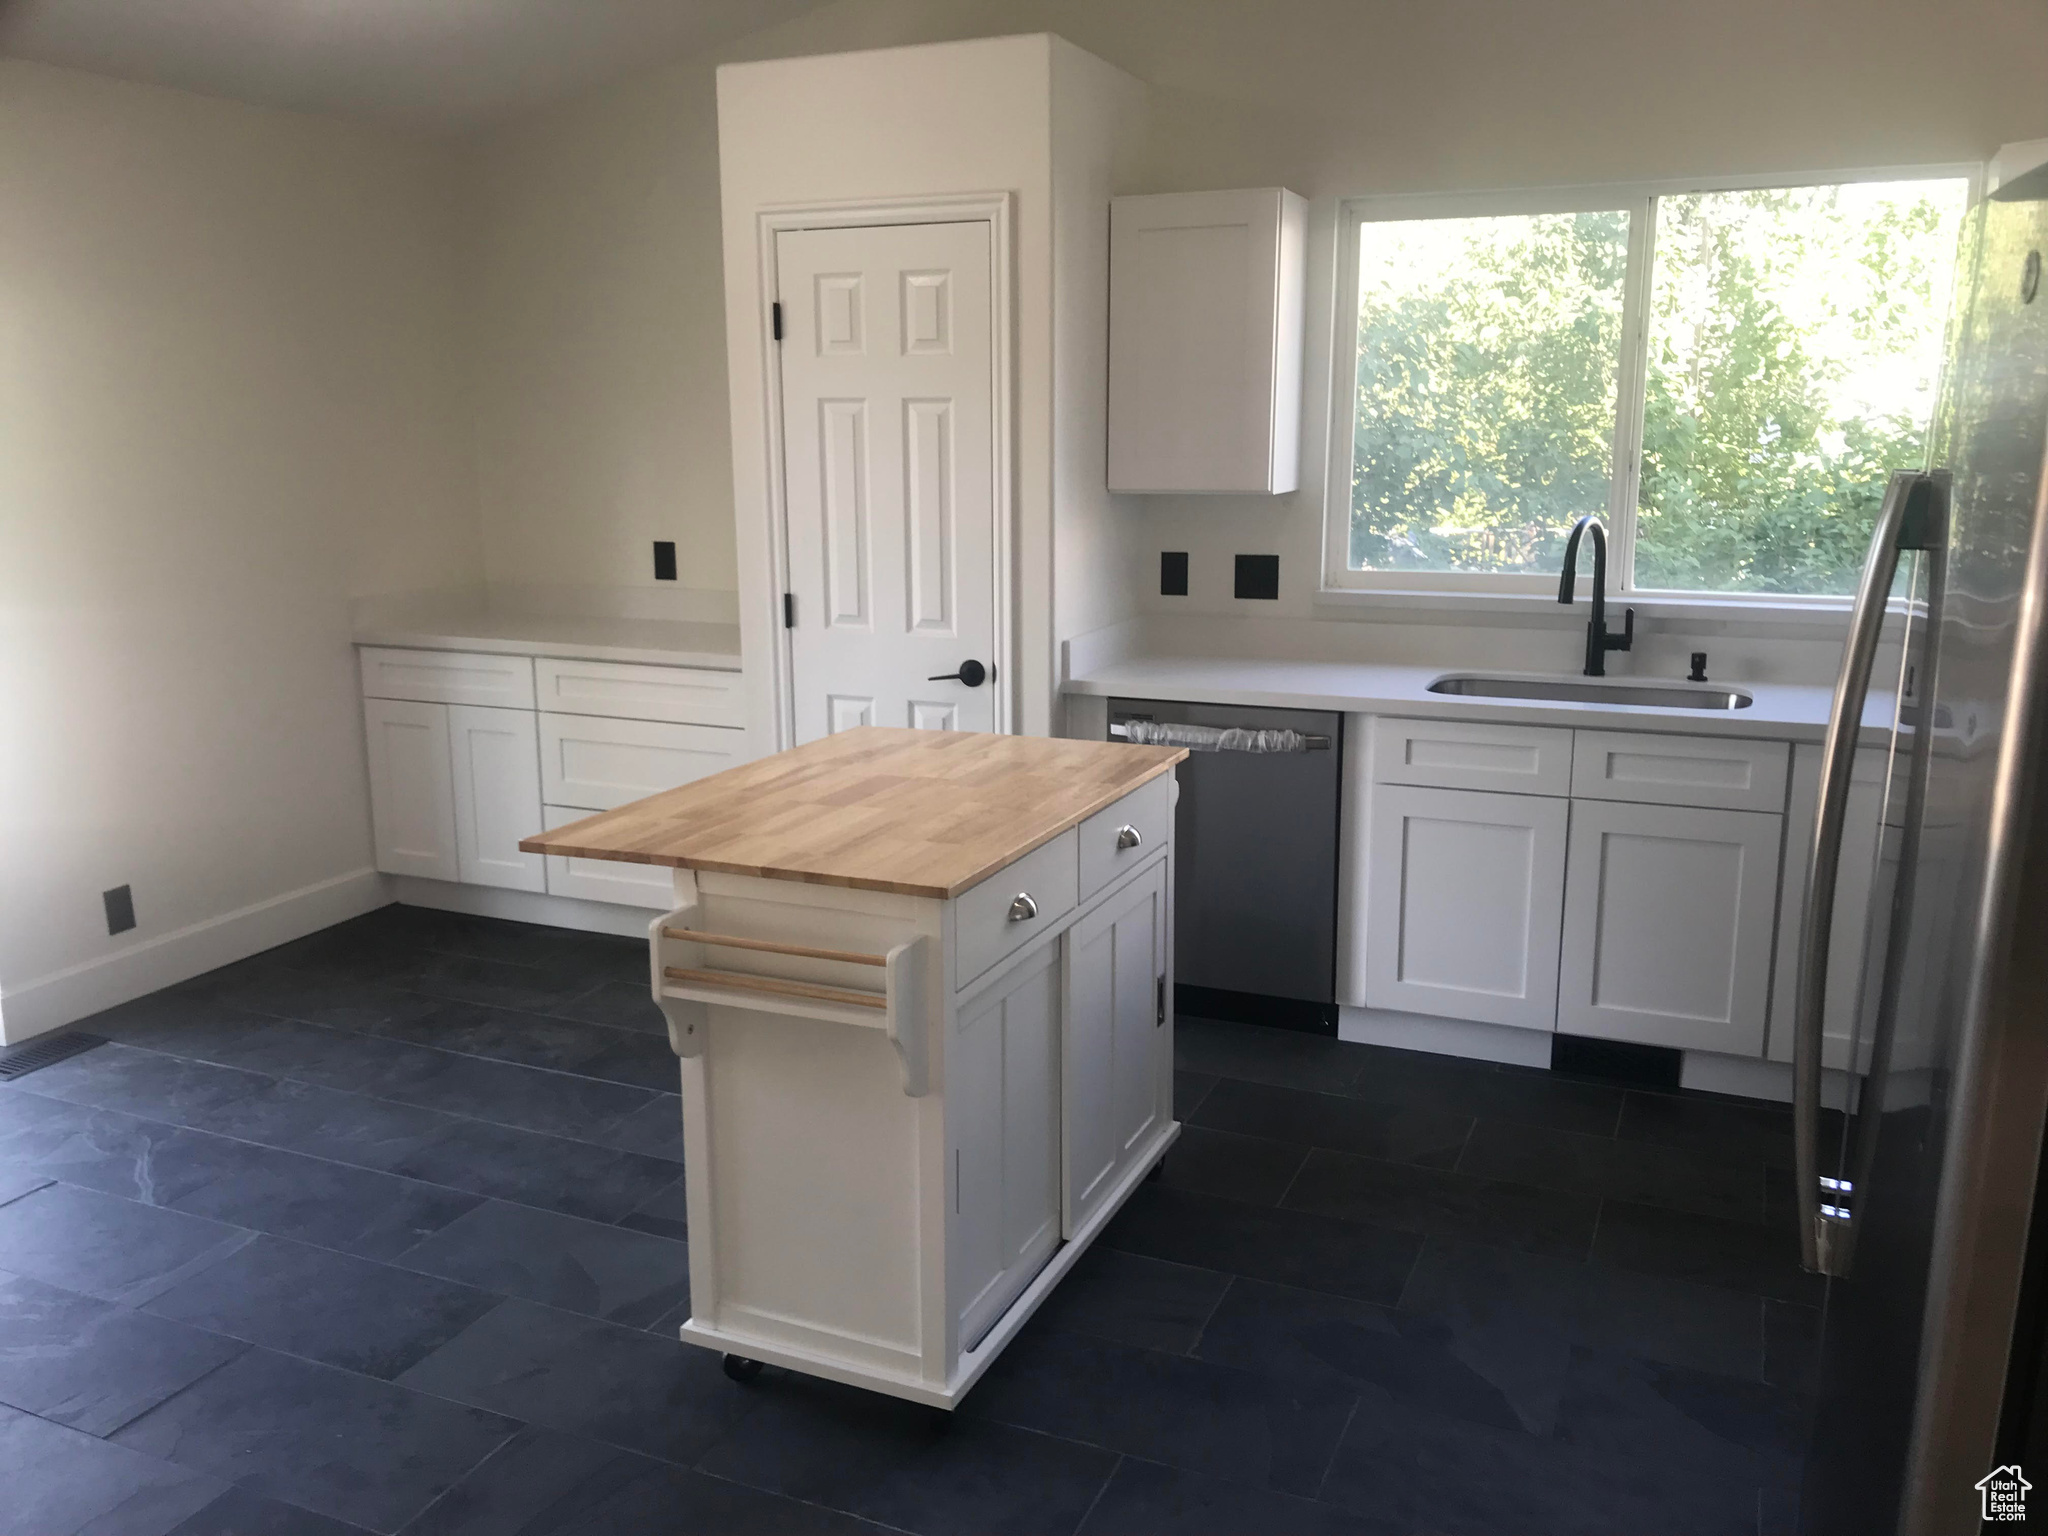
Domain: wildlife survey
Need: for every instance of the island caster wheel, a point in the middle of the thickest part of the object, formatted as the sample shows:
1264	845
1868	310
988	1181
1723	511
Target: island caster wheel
740	1368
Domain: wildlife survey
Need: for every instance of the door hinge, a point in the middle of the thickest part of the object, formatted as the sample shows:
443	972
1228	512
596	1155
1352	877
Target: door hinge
1159	1007
775	319
789	610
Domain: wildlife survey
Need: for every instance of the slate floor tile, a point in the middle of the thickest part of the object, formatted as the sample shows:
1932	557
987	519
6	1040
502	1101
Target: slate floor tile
61	1482
1647	1172
1189	1089
1248	1168
1144	1499
117	1154
1716	1427
1487	1292
1431	1137
1726	1128
1739	1255
655	1129
1510	1378
665	1213
1426	1472
92	1365
545	1483
101	1246
624	1004
364	1452
1249	1052
1777	1512
1134	1300
491	983
528	1168
325	1122
588	1377
238	1512
1430	1200
14	1185
905	1466
1791	1346
1320	1253
145	1083
370	1318
1421	1079
560	1261
1188	1413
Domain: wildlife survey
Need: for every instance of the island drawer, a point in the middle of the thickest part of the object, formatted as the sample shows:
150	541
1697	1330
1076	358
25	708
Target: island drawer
1460	754
1680	770
1126	834
596	764
680	695
448	677
1014	905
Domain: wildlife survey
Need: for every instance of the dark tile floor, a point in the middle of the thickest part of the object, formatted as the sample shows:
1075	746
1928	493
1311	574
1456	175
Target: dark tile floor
383	1230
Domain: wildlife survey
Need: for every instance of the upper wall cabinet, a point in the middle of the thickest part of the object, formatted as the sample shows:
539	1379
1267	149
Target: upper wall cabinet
1205	317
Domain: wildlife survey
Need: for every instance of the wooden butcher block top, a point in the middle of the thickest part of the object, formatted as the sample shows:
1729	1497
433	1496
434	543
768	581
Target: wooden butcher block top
922	813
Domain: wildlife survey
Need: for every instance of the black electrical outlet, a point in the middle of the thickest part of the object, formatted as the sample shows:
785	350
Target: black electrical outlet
1257	576
1173	573
664	560
120	909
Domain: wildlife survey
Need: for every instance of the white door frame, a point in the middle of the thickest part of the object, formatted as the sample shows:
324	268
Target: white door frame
996	209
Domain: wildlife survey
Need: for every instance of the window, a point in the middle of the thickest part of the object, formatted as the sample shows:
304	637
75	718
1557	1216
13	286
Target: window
1727	377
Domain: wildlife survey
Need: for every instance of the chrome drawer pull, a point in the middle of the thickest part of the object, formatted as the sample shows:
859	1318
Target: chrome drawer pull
1023	909
1127	837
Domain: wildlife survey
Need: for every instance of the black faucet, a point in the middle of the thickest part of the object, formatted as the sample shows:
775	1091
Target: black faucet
1598	641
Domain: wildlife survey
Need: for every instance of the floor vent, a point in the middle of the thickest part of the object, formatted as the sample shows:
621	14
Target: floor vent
30	1055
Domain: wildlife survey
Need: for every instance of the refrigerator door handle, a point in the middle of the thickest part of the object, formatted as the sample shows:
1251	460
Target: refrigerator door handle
1908	519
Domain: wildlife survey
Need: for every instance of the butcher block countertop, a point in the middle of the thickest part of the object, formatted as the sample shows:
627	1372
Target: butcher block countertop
921	813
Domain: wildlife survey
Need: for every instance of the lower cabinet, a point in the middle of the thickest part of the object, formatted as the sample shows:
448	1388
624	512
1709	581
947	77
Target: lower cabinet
1668	913
1463	890
1117	1069
1002	1067
453	788
412	788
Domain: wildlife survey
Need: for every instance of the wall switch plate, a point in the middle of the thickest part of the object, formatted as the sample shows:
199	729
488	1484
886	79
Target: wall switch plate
1173	573
664	560
120	909
1257	576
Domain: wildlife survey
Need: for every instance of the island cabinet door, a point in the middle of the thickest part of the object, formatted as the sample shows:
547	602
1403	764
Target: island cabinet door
1116	1067
1667	929
1463	895
1003	1120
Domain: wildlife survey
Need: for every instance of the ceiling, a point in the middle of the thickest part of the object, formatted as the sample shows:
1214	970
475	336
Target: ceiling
445	64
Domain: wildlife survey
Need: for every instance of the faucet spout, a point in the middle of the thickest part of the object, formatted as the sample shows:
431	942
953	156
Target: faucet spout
1598	641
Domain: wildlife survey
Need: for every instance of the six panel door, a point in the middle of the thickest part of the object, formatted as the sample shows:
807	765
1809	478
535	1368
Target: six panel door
1116	1069
1667	926
887	380
1463	892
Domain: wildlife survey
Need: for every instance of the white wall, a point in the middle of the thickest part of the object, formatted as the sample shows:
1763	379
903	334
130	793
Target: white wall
230	398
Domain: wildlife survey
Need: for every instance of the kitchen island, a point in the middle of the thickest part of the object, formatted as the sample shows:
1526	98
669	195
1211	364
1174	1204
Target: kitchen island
920	986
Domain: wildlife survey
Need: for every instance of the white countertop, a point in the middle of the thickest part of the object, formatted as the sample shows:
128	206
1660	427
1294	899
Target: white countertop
662	642
1780	711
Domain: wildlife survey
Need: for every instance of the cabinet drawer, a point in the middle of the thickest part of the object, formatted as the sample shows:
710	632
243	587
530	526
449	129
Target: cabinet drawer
1680	770
631	885
984	930
1143	819
1456	754
448	677
597	764
682	695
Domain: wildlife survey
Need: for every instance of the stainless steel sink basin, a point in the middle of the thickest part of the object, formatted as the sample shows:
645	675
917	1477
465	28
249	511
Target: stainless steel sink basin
1593	690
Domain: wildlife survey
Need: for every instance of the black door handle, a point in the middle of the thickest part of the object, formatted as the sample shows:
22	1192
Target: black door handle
972	673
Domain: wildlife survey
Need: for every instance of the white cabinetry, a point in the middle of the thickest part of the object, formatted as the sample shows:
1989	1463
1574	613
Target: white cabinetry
1462	901
1667	925
1205	326
412	788
497	795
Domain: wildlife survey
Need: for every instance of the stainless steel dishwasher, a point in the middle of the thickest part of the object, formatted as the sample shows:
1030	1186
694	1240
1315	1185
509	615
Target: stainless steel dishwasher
1255	883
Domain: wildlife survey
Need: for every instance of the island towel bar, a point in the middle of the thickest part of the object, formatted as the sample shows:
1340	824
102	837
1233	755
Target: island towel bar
779	986
769	946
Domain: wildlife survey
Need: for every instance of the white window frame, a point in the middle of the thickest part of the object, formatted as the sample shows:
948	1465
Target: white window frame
1486	589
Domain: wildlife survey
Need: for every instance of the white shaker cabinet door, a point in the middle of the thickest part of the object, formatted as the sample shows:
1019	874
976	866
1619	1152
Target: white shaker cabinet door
1003	1112
1668	918
412	788
1117	1064
496	756
1463	890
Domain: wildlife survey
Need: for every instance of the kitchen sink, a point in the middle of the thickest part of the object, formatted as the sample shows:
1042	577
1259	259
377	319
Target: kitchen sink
1593	690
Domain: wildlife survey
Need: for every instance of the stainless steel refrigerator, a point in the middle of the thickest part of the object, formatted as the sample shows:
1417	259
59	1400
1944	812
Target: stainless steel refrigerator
1920	1202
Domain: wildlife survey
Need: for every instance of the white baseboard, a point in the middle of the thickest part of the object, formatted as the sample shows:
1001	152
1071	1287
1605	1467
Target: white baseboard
1444	1037
524	906
62	997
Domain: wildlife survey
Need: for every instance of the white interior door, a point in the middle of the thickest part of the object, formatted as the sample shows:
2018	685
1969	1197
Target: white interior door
888	427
